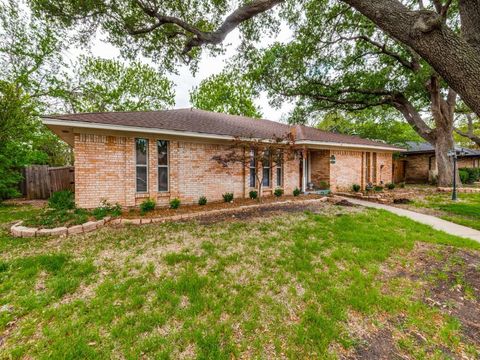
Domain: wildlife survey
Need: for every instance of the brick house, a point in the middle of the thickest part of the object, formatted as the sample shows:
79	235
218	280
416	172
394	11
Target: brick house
418	164
125	157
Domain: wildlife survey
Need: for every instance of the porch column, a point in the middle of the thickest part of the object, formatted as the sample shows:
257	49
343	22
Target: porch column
305	172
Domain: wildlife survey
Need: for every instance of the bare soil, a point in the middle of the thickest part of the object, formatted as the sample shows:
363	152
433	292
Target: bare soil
450	282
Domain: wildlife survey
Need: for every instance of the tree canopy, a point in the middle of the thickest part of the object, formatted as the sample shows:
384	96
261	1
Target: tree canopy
227	93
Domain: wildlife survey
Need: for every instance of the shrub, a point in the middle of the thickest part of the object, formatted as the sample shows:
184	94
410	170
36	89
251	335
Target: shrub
323	185
253	194
175	203
464	176
378	188
296	191
105	209
202	200
62	200
356	187
402	185
147	205
473	174
278	192
227	197
391	186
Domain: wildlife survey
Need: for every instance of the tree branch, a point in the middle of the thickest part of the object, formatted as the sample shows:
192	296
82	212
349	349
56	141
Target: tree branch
469	134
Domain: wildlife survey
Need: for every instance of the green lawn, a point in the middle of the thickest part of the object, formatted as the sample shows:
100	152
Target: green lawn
464	211
299	285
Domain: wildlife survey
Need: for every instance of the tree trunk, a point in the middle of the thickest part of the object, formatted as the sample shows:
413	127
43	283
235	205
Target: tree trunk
443	144
452	56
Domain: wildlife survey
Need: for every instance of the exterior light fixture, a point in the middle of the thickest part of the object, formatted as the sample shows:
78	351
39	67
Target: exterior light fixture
333	160
454	154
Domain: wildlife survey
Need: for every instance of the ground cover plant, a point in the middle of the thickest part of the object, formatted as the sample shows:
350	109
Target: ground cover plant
316	281
464	211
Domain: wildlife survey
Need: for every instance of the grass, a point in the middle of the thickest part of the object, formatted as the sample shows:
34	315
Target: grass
465	211
286	286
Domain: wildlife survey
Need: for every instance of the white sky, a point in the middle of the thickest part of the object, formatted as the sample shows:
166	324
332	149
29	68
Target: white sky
209	65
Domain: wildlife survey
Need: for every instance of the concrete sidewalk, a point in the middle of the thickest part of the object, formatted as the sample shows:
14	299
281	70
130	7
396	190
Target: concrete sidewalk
436	223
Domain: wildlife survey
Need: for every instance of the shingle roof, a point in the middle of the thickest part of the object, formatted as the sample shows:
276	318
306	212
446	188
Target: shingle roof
207	122
424	147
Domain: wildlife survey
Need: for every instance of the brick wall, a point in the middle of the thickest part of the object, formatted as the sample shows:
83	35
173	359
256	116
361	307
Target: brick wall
417	167
105	169
320	166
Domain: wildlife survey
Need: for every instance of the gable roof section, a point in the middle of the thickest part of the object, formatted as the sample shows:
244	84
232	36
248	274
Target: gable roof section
203	123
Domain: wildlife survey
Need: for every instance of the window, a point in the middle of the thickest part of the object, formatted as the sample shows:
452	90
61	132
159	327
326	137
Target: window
141	161
253	169
280	169
162	152
266	169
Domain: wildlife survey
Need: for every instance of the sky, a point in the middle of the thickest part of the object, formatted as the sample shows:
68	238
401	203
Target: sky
209	65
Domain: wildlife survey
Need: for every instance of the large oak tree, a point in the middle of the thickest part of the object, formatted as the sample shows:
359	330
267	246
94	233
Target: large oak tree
167	30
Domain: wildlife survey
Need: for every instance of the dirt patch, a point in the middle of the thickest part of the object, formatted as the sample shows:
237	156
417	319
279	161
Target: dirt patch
21	201
278	209
449	280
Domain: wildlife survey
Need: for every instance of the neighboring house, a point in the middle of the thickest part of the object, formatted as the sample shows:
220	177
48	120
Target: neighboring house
125	157
420	165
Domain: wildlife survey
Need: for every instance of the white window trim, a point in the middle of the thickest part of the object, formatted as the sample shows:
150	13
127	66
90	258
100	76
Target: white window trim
254	168
279	166
141	165
269	167
164	166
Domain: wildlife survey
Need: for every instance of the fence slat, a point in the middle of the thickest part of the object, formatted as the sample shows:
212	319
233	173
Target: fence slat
40	181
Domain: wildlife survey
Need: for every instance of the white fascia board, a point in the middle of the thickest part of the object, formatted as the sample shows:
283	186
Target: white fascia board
346	145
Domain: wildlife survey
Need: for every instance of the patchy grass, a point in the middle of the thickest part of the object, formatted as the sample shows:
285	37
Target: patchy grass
465	211
300	285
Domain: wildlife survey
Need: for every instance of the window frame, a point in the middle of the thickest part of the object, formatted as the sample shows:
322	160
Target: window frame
252	166
268	156
279	167
167	166
137	165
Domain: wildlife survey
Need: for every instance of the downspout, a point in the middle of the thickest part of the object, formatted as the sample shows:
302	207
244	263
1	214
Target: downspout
305	175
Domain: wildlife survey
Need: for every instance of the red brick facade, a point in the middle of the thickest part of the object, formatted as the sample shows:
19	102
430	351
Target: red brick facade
105	168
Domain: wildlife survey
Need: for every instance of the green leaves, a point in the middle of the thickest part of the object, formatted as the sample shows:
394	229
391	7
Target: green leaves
228	93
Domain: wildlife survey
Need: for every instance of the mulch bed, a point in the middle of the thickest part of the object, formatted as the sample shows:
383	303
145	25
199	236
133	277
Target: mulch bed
187	209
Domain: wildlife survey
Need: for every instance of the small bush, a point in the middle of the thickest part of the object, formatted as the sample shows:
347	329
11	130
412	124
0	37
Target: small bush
227	197
62	200
402	185
391	186
356	187
106	209
296	191
278	192
464	176
253	194
202	200
473	175
323	185
175	203
378	188
147	205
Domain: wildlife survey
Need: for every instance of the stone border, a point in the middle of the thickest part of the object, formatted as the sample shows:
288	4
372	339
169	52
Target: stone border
459	189
18	230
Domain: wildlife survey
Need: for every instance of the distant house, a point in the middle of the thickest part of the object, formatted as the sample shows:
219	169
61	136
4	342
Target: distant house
420	165
125	157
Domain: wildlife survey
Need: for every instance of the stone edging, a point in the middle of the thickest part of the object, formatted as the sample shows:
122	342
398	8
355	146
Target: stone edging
18	230
460	189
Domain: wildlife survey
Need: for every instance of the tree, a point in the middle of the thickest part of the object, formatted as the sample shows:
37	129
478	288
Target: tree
172	30
342	61
260	152
109	85
227	93
467	128
387	127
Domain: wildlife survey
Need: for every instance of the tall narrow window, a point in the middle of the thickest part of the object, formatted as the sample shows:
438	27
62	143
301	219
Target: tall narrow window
266	169
253	168
280	169
141	160
374	167
367	167
162	150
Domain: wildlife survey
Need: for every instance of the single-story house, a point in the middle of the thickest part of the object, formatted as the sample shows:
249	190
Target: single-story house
419	164
125	157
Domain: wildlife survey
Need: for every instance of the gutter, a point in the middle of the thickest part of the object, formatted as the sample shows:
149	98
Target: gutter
99	126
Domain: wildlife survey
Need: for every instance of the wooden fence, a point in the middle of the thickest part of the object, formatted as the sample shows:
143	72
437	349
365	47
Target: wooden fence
40	181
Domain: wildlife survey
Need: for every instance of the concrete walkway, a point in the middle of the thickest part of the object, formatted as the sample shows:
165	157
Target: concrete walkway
433	221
